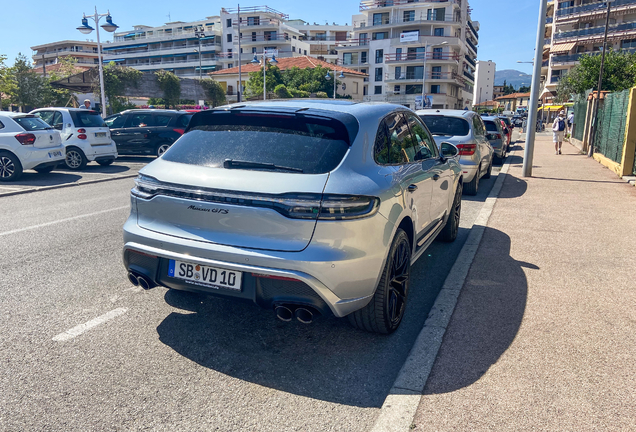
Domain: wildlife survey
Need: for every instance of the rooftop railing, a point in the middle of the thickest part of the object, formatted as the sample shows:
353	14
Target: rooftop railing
593	7
375	4
256	9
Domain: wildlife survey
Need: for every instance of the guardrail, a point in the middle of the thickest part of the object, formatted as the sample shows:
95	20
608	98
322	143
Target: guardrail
375	4
423	18
256	9
624	27
248	39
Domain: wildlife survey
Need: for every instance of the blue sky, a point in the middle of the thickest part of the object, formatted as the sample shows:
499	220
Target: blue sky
507	34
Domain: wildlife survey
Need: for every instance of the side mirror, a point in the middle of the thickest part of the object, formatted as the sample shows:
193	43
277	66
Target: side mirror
58	126
448	150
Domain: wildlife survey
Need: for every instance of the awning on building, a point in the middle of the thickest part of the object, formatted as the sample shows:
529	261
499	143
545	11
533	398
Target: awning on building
551	107
110	48
562	48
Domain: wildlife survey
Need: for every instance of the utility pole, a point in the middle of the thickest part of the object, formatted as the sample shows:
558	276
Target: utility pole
590	150
534	92
239	95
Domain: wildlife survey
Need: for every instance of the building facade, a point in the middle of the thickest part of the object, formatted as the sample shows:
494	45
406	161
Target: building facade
173	46
575	28
517	102
484	81
48	55
413	49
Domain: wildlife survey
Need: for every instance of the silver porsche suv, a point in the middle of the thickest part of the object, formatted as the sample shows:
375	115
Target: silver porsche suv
304	208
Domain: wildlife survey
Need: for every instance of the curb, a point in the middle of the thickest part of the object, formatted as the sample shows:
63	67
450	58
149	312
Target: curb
62	186
400	406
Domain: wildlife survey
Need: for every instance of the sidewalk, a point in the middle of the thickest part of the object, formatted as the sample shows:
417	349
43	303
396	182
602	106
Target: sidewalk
544	333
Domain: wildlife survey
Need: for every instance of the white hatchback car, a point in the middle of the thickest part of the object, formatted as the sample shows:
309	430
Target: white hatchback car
26	142
85	135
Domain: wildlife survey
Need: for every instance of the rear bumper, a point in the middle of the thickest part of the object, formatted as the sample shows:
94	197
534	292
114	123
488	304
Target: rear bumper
40	158
468	172
336	280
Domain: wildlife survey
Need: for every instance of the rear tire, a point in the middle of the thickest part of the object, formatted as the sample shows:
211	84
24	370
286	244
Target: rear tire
384	313
10	167
45	170
472	187
489	172
75	158
449	232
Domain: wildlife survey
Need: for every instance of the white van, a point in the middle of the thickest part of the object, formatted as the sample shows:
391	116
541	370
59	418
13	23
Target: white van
84	134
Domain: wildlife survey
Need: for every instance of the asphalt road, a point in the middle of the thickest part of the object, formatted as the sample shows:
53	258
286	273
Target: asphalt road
169	360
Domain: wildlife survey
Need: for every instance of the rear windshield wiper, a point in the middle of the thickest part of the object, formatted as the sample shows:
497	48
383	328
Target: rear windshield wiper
229	164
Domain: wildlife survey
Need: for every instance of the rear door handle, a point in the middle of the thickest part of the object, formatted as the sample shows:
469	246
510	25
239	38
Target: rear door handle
412	188
436	177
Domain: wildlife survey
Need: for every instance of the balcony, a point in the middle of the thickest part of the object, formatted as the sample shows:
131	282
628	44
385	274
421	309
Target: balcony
366	5
419	57
471	61
555	79
181	49
547	41
596	7
353	43
469	76
264	39
427	40
416	77
256	10
470	25
247	23
397	21
597	31
549	20
472	45
545	63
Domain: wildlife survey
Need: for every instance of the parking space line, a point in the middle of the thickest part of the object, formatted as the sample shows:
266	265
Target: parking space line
78	330
400	406
32	227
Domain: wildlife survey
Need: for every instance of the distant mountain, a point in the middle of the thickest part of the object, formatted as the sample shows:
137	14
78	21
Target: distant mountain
514	77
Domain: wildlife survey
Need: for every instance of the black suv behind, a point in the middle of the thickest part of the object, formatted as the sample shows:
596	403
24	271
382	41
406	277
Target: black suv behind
147	131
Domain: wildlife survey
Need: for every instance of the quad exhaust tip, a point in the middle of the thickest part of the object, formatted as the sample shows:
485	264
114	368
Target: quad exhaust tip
283	313
143	282
303	315
133	279
140	280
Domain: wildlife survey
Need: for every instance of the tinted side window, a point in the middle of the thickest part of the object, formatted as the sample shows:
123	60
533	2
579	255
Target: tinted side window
116	121
425	147
381	149
162	120
1	125
478	126
184	120
57	119
141	120
47	116
401	149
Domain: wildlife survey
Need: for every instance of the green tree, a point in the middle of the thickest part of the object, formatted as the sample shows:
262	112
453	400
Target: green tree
116	80
214	92
524	89
28	87
6	82
282	92
171	87
619	73
54	96
254	86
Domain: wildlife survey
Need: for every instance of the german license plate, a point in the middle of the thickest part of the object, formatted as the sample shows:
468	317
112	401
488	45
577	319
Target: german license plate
100	134
197	274
56	153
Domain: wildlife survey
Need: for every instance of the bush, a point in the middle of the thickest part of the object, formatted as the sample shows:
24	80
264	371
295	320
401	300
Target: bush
282	92
321	95
298	93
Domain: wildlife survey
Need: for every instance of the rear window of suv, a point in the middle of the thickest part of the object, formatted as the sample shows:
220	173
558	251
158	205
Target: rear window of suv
84	119
440	125
490	126
305	143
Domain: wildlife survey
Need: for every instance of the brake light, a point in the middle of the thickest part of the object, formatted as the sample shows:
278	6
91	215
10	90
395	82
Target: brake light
497	136
291	205
81	131
25	138
179	131
466	149
82	136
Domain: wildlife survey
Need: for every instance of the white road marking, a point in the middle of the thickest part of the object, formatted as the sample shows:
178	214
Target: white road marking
78	330
19	230
400	406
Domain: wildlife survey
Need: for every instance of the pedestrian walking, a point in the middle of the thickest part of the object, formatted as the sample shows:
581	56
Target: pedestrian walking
570	121
558	131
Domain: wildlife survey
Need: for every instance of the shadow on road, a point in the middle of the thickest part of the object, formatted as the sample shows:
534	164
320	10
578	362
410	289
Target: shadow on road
96	169
55	178
487	318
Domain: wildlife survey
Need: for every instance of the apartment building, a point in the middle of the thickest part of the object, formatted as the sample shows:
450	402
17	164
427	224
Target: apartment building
484	81
173	46
413	47
50	54
575	28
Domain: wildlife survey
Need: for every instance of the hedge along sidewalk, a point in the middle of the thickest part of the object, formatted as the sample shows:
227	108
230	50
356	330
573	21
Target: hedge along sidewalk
65	185
400	406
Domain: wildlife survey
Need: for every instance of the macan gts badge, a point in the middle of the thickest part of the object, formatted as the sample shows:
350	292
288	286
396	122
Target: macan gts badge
304	208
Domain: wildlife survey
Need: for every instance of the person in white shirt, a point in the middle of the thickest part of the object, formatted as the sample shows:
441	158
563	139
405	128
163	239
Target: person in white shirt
558	131
570	121
86	104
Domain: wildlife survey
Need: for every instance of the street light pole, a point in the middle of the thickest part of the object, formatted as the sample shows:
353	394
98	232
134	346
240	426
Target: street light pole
255	61
590	150
198	32
239	95
86	29
534	92
328	77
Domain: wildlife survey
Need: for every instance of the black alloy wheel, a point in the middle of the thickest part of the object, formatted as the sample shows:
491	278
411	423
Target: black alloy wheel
451	229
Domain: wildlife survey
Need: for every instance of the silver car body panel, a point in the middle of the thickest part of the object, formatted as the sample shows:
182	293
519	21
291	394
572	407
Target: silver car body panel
341	260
